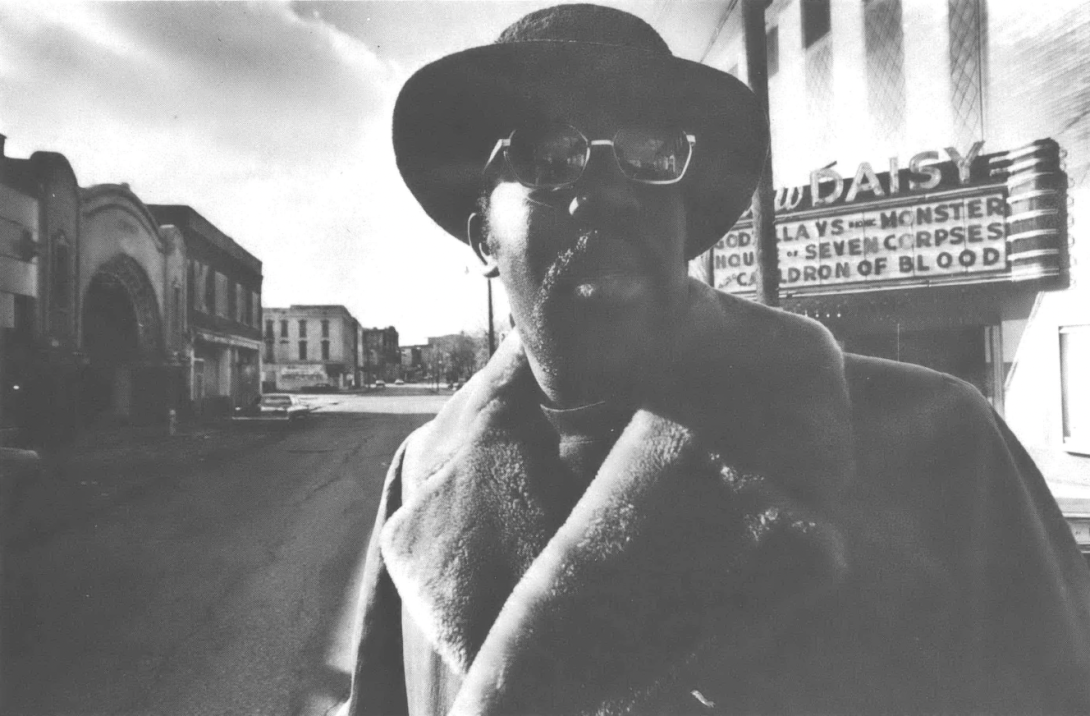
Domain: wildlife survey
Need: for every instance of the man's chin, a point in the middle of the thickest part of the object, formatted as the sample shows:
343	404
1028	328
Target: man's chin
599	329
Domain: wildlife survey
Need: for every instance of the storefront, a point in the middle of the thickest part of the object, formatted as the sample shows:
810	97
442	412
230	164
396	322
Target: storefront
225	373
940	265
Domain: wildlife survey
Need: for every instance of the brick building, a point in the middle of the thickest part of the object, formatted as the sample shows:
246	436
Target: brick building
381	354
309	346
220	296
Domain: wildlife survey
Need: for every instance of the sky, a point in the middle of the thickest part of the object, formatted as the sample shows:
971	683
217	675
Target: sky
272	120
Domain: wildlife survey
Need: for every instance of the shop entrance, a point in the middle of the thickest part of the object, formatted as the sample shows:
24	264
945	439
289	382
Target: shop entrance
122	343
960	351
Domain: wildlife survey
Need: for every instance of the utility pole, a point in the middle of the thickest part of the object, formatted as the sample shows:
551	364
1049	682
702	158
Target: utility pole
764	212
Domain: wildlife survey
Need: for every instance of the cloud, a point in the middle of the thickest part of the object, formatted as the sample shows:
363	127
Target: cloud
272	123
254	80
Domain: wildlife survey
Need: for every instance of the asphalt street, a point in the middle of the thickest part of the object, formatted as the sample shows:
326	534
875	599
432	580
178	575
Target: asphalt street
213	590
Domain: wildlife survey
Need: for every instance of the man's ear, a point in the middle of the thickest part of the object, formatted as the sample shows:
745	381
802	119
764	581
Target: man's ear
478	239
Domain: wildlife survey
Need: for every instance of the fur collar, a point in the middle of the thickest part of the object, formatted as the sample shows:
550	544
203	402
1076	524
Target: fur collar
705	517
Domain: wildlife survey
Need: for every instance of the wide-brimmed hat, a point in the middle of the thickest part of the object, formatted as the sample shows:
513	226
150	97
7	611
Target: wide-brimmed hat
552	64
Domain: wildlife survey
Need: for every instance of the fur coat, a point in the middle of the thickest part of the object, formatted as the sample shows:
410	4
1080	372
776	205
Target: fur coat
781	528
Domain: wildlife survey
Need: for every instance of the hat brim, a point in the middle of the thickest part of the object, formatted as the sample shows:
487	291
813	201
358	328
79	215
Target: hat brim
450	114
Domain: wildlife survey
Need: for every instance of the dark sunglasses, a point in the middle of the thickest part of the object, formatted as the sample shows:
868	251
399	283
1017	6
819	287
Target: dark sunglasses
555	155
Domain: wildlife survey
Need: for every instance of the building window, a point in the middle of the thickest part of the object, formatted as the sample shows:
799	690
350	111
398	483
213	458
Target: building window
210	292
270	356
325	328
1075	387
968	23
815	20
302	350
325	350
224	289
232	300
255	307
269	333
283	329
302	329
772	51
883	37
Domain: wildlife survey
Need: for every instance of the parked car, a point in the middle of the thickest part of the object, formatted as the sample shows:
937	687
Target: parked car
399	381
282	405
380	384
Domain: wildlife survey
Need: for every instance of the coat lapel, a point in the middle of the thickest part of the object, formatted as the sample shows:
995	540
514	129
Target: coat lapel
542	606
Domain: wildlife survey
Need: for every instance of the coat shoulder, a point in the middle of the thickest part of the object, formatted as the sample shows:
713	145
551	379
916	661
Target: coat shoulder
897	396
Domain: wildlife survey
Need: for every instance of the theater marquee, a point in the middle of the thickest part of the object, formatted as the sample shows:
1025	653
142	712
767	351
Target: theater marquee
971	219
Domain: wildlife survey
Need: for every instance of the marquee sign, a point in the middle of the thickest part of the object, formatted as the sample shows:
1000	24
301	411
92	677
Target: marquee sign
970	219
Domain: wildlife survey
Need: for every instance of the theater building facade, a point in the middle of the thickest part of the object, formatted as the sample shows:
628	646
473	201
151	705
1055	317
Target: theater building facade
97	307
933	168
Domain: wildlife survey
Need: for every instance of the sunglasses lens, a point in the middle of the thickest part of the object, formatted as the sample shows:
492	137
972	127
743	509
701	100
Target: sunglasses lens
548	156
652	156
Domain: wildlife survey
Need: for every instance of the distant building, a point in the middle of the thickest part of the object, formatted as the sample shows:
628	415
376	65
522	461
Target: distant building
453	357
308	346
222	300
413	367
381	354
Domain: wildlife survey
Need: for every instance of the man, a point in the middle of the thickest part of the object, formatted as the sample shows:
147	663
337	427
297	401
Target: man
657	498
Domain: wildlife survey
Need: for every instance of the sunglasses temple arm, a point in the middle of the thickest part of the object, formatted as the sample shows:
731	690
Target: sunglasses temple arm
501	144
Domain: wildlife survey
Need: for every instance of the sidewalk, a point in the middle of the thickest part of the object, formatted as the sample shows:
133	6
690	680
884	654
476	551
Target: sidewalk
1067	475
107	465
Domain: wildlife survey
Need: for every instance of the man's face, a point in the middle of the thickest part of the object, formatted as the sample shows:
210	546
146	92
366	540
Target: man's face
593	271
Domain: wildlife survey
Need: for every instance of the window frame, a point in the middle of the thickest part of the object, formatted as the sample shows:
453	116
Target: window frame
1076	443
210	291
232	299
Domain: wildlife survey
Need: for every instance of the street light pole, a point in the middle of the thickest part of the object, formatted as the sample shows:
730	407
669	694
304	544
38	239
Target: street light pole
491	328
764	211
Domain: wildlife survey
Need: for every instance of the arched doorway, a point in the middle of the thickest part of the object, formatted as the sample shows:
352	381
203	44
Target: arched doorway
123	343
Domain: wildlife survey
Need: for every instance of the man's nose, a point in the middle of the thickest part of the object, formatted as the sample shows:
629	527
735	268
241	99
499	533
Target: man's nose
603	195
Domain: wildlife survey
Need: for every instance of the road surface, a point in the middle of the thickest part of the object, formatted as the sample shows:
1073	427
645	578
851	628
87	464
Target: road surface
209	591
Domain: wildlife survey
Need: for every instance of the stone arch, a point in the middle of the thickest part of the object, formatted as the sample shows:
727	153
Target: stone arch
125	273
122	340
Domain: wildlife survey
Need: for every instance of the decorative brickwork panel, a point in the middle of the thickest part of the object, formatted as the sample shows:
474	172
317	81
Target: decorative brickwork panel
967	43
819	89
885	53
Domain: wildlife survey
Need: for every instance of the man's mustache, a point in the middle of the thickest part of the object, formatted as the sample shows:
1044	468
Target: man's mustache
591	252
565	265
